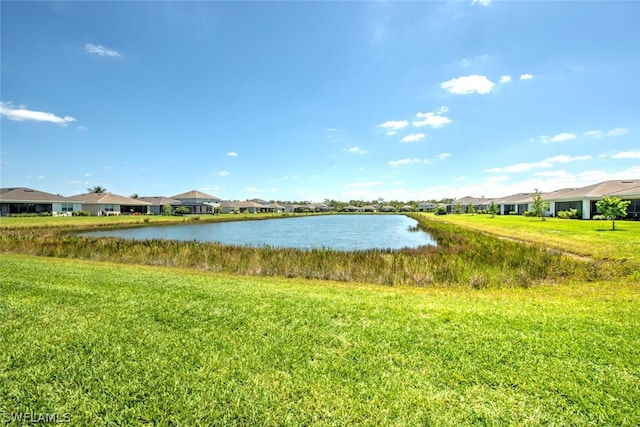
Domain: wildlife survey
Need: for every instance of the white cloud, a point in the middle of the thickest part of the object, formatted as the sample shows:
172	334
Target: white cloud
410	161
232	154
563	158
391	133
635	154
357	150
520	167
561	137
99	50
611	132
413	137
433	119
593	133
394	124
20	114
364	184
617	132
546	163
400	162
505	79
526	76
484	3
223	173
551	174
468	84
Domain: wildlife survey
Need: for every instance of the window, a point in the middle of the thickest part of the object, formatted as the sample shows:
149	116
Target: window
67	207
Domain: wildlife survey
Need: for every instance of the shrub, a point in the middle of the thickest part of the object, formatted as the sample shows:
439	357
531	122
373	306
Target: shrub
181	210
81	213
570	214
599	217
513	213
440	210
528	213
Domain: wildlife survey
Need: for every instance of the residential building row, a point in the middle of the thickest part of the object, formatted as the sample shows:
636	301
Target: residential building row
21	200
582	199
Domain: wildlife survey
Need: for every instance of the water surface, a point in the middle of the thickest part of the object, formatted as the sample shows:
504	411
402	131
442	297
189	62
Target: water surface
339	232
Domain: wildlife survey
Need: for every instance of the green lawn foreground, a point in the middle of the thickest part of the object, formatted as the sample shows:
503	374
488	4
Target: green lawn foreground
582	237
127	345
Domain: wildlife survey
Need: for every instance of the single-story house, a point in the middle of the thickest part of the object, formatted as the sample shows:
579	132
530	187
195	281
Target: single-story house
407	208
112	204
369	208
479	203
351	208
388	208
198	202
426	207
584	199
518	203
156	203
22	200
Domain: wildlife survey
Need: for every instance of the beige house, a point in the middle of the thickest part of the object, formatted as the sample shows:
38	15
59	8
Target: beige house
112	204
22	200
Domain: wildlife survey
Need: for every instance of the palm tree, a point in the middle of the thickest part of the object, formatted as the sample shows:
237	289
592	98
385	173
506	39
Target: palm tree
97	189
134	196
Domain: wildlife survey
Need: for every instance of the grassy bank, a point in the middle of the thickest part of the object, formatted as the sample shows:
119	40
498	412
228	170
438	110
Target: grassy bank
117	344
583	237
463	257
95	222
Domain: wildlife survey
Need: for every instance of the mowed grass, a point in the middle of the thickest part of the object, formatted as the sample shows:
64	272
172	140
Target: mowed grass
583	237
113	344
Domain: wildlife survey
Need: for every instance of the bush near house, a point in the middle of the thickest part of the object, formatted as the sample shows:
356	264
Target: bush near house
81	213
182	210
440	210
570	214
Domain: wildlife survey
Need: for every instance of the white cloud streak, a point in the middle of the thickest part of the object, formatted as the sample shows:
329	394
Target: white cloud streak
412	161
357	150
99	50
394	124
364	184
468	84
635	154
526	76
413	137
232	154
546	163
20	114
505	79
561	137
433	119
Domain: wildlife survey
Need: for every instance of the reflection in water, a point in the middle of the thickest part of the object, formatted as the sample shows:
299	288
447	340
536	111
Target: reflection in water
338	232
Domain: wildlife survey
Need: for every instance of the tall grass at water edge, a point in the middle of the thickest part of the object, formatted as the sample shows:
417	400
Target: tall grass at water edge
463	257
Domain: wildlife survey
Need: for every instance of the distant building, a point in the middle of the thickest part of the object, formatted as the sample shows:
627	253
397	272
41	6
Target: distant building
22	200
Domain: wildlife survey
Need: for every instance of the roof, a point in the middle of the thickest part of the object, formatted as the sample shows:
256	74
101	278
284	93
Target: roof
160	200
515	199
23	194
613	188
475	200
109	199
194	194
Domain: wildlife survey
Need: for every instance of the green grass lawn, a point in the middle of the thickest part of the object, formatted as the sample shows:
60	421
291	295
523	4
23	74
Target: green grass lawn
582	237
114	344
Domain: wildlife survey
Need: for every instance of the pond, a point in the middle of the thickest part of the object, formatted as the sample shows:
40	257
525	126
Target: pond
338	232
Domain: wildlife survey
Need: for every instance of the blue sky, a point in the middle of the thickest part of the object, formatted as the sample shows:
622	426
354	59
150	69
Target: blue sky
315	100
